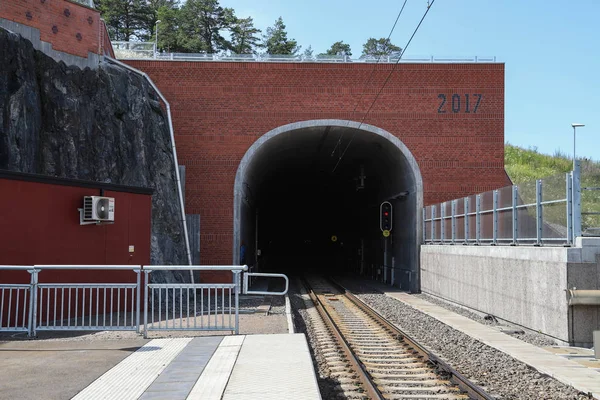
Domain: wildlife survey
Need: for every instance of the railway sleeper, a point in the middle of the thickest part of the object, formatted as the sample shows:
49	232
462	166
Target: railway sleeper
379	377
375	361
388	366
424	390
426	397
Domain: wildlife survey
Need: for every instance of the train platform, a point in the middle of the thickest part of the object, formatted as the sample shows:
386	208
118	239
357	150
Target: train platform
212	368
572	366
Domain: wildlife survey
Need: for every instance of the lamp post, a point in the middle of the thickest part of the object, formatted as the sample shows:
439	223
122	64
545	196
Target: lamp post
156	38
575	126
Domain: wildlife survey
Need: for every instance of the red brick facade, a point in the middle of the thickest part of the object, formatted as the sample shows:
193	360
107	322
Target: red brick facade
221	108
71	27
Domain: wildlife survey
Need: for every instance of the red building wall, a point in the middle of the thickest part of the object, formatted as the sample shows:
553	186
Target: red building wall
39	224
221	108
70	27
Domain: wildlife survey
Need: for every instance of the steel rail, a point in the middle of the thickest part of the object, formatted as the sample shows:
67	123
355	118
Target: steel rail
363	376
474	391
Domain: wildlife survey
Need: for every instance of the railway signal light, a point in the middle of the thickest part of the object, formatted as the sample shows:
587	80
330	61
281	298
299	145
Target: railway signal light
385	216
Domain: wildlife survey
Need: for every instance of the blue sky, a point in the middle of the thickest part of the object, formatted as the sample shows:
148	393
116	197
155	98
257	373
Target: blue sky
551	50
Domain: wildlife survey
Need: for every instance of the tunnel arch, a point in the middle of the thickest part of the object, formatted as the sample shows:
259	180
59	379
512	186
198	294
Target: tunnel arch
415	189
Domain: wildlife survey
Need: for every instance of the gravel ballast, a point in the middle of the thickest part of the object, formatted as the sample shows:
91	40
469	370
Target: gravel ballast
536	339
500	374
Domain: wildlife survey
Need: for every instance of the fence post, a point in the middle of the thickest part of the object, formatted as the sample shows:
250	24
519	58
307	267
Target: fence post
576	201
453	219
236	281
146	283
433	223
442	222
495	218
424	225
32	317
569	208
138	273
515	222
466	207
538	211
478	219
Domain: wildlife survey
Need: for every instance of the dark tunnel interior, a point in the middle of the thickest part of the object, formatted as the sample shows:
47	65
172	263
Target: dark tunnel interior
310	201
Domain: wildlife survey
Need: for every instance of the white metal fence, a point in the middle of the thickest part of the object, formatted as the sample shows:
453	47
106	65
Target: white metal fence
32	306
147	50
547	211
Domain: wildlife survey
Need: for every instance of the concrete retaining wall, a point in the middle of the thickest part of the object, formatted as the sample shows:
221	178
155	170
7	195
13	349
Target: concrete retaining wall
523	285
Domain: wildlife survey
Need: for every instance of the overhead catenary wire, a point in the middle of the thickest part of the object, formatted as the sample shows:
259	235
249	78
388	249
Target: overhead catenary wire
384	84
372	72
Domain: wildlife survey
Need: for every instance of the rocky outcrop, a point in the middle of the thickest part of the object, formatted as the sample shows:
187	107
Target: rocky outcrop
104	125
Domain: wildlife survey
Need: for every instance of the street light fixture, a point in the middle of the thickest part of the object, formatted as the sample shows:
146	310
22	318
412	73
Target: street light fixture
575	126
156	39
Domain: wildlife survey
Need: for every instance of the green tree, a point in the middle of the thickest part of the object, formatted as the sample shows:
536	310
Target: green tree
380	47
338	49
169	31
201	23
124	18
150	15
243	36
308	52
276	41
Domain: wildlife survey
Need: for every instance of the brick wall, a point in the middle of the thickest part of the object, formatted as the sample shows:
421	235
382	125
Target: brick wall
70	27
220	109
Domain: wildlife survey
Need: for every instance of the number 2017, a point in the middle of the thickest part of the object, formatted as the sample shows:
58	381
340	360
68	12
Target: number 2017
457	105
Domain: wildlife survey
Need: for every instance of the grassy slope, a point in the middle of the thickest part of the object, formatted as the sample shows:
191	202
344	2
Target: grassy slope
528	165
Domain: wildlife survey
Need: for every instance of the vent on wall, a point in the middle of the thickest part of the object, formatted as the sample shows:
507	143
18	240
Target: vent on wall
97	209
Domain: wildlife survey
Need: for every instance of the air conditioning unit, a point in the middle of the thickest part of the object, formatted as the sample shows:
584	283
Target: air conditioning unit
97	208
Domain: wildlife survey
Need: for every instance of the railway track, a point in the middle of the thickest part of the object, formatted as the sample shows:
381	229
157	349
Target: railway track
372	358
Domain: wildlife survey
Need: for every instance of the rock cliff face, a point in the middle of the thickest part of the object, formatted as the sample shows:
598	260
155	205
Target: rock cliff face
104	125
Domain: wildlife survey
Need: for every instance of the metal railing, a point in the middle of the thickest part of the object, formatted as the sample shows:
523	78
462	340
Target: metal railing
547	211
85	306
147	50
248	276
91	306
15	303
198	309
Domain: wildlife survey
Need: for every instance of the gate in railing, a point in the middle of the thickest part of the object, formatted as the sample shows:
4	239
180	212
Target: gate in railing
186	307
34	306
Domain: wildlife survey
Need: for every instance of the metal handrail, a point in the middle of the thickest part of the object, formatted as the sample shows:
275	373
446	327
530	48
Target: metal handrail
16	267
80	266
146	50
195	267
265	274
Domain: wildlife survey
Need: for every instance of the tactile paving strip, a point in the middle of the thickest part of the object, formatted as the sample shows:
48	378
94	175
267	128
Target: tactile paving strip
132	376
214	378
177	380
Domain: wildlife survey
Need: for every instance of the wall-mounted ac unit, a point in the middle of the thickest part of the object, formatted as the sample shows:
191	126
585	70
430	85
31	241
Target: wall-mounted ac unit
98	208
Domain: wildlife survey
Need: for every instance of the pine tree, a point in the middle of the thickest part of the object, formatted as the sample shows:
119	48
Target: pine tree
124	18
276	41
338	49
201	23
243	36
375	48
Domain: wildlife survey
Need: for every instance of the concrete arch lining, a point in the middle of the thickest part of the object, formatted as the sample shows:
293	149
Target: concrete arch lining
410	161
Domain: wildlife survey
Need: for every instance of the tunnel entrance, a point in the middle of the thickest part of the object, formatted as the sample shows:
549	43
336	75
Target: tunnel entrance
307	198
